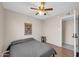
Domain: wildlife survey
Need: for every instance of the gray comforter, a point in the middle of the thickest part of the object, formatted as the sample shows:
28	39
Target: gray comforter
30	48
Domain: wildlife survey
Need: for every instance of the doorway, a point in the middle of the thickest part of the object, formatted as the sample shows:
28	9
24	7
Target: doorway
67	32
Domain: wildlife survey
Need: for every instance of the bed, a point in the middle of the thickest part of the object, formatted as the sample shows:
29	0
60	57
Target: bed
30	48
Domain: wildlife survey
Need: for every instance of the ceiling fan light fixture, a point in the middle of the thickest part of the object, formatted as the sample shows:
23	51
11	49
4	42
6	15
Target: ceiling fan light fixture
41	12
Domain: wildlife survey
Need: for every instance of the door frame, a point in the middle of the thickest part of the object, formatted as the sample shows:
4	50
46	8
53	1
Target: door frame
75	29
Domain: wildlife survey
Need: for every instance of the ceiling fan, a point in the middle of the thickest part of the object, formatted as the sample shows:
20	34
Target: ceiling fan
41	9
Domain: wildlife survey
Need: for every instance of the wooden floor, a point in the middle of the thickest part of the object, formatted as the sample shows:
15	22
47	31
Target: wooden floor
62	52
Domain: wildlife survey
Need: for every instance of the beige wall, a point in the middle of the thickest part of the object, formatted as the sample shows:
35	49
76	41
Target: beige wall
68	30
1	28
52	30
14	26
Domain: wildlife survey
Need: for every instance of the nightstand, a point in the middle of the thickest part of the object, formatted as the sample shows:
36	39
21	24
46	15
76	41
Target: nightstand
43	39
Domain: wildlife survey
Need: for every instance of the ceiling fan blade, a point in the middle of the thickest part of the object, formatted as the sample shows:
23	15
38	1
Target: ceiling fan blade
45	14
33	8
37	13
48	9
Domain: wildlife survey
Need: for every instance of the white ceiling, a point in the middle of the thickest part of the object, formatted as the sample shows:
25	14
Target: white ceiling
24	8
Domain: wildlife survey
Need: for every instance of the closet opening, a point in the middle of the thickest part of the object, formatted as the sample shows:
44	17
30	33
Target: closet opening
67	33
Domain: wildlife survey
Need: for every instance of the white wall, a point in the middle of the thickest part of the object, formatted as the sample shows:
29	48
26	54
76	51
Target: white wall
1	28
68	30
52	30
14	26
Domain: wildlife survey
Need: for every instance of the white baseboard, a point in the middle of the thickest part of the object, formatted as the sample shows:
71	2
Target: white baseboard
67	44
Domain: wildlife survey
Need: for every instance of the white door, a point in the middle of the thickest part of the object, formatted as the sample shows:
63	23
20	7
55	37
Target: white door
76	32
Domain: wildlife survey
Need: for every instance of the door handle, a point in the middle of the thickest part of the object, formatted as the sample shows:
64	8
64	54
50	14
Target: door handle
75	35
